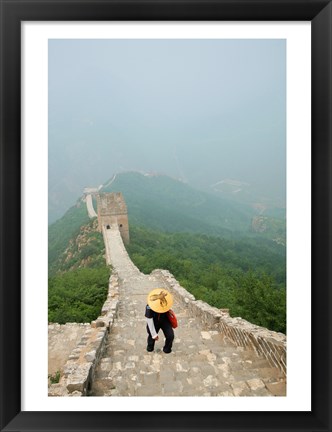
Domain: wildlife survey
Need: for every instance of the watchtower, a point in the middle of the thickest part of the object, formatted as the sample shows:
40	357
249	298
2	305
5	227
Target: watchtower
112	211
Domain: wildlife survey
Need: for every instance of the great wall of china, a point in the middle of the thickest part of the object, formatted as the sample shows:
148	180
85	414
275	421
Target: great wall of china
213	354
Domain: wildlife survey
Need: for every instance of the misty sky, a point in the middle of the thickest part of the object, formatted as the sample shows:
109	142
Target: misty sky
201	110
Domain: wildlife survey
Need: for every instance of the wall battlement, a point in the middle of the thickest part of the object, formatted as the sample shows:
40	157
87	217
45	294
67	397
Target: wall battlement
266	343
112	212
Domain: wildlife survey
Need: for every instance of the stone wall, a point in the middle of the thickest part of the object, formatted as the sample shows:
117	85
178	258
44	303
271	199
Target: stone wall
78	372
269	344
89	205
62	339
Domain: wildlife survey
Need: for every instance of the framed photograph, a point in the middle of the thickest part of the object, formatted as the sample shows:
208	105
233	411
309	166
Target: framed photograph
40	43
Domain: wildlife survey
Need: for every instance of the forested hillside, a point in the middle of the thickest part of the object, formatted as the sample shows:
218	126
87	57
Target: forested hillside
78	275
63	230
245	276
84	249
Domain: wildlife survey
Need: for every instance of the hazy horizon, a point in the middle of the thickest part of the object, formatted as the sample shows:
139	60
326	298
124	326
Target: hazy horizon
199	110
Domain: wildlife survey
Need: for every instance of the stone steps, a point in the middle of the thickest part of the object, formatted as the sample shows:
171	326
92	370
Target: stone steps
202	363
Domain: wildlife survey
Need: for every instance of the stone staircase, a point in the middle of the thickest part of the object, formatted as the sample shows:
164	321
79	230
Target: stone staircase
203	362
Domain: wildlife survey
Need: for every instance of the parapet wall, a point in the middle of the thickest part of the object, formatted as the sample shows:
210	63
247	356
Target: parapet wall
267	343
78	371
62	339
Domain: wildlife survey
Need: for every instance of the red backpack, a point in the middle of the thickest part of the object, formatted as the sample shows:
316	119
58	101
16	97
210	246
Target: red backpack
172	318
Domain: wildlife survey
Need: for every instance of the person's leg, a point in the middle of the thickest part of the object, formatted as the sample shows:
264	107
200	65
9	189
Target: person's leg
169	335
151	341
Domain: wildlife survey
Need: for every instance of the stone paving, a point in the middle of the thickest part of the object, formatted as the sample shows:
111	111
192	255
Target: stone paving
202	362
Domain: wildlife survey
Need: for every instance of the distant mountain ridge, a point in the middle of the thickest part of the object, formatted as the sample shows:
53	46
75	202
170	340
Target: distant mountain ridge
239	191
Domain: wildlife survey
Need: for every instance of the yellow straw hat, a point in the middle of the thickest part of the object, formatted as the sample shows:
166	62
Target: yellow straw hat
160	300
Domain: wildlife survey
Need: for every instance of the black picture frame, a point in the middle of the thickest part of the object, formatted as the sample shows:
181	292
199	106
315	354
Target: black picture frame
13	12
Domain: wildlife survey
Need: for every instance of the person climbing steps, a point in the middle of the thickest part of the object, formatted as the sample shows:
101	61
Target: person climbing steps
159	302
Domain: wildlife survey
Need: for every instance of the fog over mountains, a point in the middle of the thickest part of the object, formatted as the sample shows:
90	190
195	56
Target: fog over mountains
209	112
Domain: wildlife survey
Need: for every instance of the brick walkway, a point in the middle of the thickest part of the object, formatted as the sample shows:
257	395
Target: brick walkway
202	363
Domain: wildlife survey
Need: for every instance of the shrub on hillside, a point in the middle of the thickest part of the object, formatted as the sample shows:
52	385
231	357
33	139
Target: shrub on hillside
77	296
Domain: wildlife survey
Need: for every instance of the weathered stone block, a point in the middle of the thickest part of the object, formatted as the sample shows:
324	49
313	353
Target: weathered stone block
78	381
78	386
74	357
277	389
255	384
57	390
90	356
69	368
75	394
